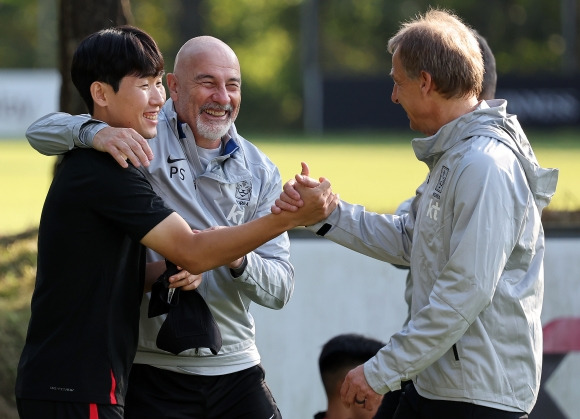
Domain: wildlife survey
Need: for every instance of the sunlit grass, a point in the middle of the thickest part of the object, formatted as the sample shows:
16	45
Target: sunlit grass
378	176
375	170
380	170
25	176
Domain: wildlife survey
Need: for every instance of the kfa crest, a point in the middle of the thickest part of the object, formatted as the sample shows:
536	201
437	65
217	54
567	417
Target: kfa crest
243	193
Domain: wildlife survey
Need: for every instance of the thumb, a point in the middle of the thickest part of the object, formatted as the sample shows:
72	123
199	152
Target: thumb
305	169
305	181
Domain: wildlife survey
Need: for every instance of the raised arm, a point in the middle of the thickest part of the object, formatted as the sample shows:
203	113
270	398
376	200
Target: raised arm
57	133
206	250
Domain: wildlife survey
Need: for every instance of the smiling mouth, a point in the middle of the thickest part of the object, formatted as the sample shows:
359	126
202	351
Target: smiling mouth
215	112
152	116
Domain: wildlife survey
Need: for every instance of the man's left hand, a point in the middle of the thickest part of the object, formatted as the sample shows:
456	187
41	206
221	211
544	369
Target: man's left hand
355	390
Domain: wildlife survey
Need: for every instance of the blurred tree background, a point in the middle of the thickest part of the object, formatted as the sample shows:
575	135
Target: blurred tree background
276	40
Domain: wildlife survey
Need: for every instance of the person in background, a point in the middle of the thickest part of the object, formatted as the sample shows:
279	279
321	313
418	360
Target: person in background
338	356
489	83
474	243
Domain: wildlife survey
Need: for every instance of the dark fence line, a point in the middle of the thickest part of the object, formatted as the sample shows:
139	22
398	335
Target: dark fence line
539	101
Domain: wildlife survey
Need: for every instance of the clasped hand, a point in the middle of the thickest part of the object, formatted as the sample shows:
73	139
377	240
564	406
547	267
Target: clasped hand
291	198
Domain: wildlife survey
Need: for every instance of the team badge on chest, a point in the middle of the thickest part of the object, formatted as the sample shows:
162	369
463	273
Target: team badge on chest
243	193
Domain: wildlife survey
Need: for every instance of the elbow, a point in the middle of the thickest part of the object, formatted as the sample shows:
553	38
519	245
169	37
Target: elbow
278	304
191	265
272	303
33	142
195	268
43	147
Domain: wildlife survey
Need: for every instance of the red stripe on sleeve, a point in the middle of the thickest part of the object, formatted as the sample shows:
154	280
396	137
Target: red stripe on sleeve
113	388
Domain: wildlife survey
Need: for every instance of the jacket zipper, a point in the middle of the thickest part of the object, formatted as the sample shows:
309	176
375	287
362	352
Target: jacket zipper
455	353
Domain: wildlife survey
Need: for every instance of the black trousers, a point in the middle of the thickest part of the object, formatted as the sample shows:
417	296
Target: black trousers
154	393
390	403
413	406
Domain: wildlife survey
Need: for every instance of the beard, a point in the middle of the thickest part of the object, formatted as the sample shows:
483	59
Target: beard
214	130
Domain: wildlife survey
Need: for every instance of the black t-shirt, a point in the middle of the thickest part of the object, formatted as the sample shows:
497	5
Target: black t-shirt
82	335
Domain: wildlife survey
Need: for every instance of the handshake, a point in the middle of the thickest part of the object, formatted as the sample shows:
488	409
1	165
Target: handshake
298	192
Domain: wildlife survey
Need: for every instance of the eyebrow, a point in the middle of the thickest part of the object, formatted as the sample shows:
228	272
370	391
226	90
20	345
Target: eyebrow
204	76
209	76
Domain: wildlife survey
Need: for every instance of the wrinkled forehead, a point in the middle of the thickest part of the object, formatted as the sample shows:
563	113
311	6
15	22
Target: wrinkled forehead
397	69
208	57
217	61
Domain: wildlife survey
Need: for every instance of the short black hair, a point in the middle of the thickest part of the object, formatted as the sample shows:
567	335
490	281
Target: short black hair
344	352
111	54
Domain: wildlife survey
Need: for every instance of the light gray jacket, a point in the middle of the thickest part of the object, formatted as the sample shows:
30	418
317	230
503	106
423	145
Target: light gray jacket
475	244
236	187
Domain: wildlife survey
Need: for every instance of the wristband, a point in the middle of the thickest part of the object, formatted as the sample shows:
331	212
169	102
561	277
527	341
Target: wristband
324	229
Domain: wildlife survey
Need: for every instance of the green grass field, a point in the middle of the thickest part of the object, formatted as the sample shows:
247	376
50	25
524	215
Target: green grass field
376	170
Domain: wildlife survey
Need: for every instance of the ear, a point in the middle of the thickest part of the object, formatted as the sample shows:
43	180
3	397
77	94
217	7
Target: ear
427	84
99	93
172	85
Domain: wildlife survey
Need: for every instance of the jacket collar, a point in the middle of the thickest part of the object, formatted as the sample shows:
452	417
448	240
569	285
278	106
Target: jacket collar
491	120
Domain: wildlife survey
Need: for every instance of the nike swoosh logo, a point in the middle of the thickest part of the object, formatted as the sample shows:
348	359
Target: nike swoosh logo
170	160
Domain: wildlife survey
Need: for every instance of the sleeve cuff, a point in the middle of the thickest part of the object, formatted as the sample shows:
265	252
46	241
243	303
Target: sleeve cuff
324	226
237	272
373	379
87	132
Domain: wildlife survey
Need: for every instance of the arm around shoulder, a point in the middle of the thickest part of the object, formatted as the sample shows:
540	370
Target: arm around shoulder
59	132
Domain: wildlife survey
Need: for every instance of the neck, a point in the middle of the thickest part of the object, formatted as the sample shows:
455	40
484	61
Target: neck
100	114
209	144
455	108
337	410
451	109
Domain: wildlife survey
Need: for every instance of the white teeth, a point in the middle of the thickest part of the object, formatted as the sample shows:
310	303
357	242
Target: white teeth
151	117
215	113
